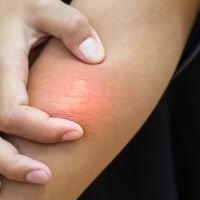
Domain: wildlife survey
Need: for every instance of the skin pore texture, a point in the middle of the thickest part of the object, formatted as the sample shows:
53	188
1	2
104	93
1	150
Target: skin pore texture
76	93
110	100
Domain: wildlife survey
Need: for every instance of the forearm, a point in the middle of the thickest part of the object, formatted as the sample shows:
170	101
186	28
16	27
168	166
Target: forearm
111	100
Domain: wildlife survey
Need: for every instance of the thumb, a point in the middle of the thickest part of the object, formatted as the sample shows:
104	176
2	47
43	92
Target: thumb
72	27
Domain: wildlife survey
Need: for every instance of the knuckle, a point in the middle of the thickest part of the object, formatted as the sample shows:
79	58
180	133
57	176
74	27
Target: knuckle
10	171
76	23
37	5
5	121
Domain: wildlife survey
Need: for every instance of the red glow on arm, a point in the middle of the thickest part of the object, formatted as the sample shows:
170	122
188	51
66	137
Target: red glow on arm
64	87
78	95
75	99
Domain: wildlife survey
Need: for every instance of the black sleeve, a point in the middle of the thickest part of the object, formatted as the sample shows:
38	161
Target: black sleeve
67	1
192	48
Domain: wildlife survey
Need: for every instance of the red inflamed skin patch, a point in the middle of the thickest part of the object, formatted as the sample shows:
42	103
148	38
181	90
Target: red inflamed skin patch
64	87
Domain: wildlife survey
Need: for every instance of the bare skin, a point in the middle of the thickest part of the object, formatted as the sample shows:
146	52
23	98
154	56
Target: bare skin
111	100
25	24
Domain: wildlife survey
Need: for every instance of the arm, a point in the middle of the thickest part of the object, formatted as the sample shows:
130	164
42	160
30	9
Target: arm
25	24
111	100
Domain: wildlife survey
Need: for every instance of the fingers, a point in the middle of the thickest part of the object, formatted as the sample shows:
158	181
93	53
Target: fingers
19	119
69	25
36	125
33	124
21	168
16	117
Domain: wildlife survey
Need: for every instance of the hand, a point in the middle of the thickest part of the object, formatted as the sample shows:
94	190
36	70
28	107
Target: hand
24	24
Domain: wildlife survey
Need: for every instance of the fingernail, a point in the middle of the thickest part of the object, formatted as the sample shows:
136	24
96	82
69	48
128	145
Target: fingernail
91	50
38	177
72	135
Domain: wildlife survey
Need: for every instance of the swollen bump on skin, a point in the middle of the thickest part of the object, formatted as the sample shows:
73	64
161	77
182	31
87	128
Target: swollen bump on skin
77	96
75	99
74	91
67	97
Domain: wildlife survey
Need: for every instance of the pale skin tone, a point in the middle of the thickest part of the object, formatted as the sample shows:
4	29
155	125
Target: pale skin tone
24	25
110	101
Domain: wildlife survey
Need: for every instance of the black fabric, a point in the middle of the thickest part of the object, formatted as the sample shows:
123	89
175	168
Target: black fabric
67	1
162	162
192	48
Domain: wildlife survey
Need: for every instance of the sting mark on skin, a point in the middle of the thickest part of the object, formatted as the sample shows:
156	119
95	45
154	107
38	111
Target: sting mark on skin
78	95
78	89
75	98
